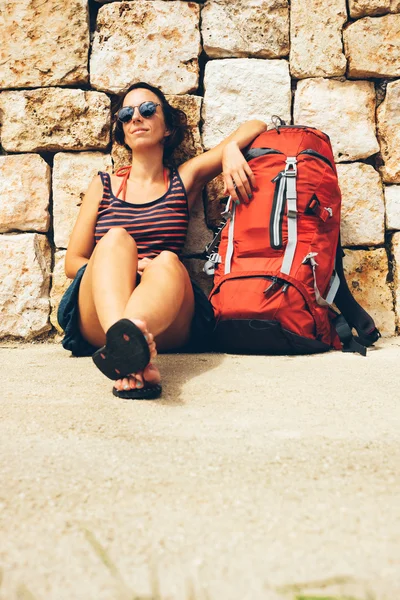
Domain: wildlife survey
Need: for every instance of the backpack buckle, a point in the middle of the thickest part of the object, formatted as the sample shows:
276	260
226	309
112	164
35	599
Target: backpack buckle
291	167
213	259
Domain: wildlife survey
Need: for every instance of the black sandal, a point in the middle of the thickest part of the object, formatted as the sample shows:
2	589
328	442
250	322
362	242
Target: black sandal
126	351
150	392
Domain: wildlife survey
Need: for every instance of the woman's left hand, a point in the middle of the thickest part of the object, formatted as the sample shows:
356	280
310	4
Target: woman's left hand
238	177
142	264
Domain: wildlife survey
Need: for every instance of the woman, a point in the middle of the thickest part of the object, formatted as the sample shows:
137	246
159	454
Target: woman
131	293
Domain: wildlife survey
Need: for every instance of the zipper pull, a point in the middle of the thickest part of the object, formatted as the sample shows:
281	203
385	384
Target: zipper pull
285	287
271	285
275	179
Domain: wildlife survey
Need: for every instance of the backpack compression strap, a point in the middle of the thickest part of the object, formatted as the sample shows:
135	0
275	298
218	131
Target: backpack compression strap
288	179
347	339
333	285
229	249
353	315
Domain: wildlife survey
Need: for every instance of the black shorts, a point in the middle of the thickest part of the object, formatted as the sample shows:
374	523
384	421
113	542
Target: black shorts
67	316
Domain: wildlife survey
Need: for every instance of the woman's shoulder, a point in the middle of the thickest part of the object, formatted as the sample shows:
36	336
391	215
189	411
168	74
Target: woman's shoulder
187	172
102	175
96	183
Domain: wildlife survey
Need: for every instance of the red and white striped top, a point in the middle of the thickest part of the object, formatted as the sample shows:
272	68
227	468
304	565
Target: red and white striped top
155	226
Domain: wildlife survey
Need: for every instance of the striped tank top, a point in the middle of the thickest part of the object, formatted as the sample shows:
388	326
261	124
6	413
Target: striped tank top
155	226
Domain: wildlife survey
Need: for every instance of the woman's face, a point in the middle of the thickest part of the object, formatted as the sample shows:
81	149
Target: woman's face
141	132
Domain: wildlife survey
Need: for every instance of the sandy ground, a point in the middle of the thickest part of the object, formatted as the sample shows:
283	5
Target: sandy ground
252	478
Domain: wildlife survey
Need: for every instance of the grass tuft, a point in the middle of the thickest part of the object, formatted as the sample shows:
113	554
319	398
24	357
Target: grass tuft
124	592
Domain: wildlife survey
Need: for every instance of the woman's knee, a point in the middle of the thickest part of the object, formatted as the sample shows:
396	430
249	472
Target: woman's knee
168	260
117	236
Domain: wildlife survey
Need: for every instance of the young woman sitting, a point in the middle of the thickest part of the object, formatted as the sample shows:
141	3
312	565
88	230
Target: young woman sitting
131	293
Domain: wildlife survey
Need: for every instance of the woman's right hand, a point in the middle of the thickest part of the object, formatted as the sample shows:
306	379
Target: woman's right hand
238	177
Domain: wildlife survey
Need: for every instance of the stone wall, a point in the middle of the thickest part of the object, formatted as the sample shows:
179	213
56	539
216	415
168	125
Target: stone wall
332	65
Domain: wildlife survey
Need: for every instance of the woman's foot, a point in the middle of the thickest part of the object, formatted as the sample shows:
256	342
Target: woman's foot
150	374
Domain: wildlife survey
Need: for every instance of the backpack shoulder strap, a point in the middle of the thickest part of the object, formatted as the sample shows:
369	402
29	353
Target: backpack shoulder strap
352	312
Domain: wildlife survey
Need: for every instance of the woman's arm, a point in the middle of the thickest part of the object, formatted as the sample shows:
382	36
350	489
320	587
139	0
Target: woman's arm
226	158
81	243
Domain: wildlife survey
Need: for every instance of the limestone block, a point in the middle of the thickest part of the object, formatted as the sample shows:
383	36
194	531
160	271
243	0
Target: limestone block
120	155
392	202
372	47
24	193
316	48
388	128
59	284
239	89
191	145
53	119
43	43
396	279
72	174
258	28
363	210
368	8
152	41
366	274
25	277
345	110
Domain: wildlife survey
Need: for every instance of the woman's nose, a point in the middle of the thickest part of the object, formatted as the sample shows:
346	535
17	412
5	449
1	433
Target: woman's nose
136	114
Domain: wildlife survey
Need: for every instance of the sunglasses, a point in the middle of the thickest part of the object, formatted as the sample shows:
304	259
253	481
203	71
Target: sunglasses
146	110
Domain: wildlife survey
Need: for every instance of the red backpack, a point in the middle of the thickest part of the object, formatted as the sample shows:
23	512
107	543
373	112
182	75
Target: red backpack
279	267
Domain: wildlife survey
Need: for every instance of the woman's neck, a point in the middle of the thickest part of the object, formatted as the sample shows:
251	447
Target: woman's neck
147	168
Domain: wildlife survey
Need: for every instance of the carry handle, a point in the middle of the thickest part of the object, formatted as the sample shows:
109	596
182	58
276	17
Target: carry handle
277	122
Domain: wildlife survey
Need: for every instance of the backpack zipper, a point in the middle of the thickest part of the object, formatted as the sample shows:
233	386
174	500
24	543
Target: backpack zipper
256	152
301	127
316	154
272	278
276	282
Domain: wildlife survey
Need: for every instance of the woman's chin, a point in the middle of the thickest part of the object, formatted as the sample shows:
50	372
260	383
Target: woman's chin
140	143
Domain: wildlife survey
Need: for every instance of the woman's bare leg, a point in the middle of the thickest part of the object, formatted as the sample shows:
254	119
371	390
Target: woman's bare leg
163	303
107	284
164	300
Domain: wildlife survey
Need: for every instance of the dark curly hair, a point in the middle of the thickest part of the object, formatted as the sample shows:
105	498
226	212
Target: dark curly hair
175	120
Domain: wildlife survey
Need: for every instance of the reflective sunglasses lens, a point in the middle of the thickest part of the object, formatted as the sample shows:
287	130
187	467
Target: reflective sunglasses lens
125	114
147	109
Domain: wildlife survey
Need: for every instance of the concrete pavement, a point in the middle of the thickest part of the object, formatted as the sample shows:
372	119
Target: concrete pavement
252	478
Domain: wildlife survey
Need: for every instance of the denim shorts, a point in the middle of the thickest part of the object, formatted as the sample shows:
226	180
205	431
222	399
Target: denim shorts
200	334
